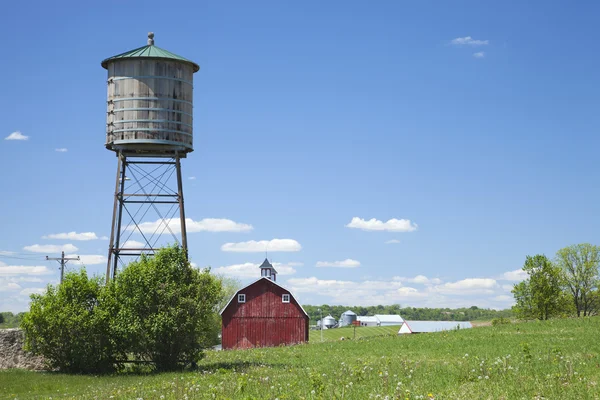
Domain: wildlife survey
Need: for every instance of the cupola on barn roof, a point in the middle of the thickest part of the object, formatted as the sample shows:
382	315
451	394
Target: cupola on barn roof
267	264
150	51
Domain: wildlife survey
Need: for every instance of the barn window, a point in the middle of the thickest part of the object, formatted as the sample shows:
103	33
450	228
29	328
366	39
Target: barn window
285	298
241	298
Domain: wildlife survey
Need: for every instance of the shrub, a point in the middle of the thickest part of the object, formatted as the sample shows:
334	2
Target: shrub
500	321
68	326
163	309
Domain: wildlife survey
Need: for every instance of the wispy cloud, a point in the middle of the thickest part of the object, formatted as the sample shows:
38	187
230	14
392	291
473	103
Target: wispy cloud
133	244
479	54
192	178
16	136
204	225
89	259
253	246
10	270
61	150
347	263
392	241
72	236
50	248
469	41
392	225
514	276
251	270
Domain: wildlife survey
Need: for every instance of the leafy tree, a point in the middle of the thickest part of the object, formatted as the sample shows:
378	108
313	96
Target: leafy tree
163	308
1	318
69	328
540	295
229	286
579	264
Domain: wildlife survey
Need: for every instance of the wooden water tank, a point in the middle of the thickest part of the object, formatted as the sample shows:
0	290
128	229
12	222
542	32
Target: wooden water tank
150	102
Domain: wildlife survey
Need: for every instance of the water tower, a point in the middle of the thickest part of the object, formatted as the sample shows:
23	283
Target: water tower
149	127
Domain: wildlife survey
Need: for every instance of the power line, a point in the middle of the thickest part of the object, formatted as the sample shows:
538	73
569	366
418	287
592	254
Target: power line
63	261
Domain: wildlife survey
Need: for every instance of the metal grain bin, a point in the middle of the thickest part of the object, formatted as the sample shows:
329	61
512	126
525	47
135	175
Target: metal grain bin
347	318
329	322
150	102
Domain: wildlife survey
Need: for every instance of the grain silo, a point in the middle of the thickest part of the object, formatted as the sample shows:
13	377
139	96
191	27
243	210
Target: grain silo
347	318
149	127
328	322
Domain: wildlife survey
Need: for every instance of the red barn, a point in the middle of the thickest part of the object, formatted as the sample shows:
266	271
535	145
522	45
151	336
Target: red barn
263	314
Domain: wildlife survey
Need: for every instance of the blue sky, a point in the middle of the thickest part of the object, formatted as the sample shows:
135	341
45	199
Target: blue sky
474	121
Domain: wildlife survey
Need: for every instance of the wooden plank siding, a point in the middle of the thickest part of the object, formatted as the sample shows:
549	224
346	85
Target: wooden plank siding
264	320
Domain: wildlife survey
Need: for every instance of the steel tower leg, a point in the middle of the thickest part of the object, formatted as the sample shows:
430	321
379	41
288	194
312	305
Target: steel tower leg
154	187
181	207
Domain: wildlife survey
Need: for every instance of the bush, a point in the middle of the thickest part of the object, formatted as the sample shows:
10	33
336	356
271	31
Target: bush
163	309
500	321
158	309
68	326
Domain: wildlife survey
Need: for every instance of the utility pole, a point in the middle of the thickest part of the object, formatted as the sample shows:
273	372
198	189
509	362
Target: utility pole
62	261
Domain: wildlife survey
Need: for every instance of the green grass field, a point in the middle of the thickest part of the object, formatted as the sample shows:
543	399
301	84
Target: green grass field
538	360
351	333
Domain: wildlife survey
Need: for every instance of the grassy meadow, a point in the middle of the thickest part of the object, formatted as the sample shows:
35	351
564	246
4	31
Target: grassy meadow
348	332
556	359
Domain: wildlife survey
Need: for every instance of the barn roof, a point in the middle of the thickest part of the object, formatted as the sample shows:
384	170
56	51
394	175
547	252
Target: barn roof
387	318
268	280
436	326
365	318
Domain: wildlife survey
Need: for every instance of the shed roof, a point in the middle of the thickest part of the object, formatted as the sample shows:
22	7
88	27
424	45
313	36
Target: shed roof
150	51
436	326
365	318
389	318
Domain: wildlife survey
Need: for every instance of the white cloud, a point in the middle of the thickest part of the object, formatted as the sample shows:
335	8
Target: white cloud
50	248
421	279
517	275
133	244
470	285
479	54
2	264
16	136
9	286
504	297
508	288
89	259
392	225
392	241
468	40
29	291
6	253
72	236
192	178
252	270
204	225
253	246
104	238
61	150
10	270
347	263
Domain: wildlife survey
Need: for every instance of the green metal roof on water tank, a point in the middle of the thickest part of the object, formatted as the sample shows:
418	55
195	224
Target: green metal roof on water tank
150	51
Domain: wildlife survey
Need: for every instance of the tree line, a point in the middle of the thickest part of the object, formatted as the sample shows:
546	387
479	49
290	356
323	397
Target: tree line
566	286
410	313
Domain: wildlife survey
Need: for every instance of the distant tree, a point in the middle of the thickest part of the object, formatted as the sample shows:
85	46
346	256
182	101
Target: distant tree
1	318
540	296
579	264
229	286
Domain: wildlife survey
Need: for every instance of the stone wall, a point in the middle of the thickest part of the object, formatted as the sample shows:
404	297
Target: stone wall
12	354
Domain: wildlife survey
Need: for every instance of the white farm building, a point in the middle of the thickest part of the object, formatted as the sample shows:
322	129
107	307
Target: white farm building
380	320
432	326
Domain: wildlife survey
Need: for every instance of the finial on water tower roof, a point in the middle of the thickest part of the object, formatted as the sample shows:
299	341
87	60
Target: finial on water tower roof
150	38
